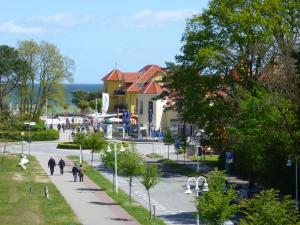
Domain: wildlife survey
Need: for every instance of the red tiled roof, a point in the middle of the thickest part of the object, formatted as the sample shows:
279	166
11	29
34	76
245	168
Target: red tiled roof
151	88
115	74
147	73
130	77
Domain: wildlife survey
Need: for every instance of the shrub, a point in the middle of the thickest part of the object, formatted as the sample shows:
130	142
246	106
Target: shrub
49	135
70	145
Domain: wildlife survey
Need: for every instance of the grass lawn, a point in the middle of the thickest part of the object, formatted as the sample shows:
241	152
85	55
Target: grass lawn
134	209
18	206
210	160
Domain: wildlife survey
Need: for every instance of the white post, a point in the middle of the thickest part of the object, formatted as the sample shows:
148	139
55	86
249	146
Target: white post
116	166
198	219
80	157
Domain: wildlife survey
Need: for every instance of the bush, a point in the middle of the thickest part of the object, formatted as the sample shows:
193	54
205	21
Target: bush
49	135
70	145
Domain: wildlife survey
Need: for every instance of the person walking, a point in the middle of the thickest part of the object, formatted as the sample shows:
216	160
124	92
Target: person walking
75	172
61	164
58	127
81	173
63	127
51	165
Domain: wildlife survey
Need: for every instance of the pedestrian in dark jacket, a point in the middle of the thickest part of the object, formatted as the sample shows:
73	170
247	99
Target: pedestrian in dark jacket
75	172
51	165
61	164
81	173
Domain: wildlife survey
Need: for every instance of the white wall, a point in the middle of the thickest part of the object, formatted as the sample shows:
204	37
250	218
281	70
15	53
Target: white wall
160	118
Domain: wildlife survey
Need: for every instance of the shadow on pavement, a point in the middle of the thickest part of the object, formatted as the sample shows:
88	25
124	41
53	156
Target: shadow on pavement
181	218
89	189
104	203
120	219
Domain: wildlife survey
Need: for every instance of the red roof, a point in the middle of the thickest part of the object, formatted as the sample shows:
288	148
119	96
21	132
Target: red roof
130	77
151	88
115	74
147	73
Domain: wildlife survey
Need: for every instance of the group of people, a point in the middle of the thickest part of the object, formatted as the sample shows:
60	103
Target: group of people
76	171
61	126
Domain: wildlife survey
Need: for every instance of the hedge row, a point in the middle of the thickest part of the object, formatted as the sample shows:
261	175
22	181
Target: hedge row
49	135
69	145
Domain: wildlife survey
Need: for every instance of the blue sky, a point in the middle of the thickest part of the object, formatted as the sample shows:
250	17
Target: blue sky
100	35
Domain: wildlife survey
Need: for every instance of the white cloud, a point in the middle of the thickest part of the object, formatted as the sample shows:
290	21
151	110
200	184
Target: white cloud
11	27
149	18
63	19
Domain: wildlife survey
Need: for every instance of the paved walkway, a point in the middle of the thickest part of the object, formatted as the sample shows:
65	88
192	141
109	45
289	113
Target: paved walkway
91	205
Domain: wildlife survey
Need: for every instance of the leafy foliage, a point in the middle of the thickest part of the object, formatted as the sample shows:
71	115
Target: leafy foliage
130	164
266	208
95	142
151	177
84	100
12	66
214	206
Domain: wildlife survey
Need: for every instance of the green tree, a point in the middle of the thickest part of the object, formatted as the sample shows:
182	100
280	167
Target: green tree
108	159
96	142
11	68
130	164
214	206
151	176
266	208
49	69
168	139
84	100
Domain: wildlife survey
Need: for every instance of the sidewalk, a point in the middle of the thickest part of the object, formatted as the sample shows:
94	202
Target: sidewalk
91	204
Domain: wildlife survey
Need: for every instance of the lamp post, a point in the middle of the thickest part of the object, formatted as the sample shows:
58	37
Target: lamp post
116	159
29	138
198	139
289	164
204	188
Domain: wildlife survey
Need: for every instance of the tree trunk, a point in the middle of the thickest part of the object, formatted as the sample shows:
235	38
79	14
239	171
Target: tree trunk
168	152
150	208
130	185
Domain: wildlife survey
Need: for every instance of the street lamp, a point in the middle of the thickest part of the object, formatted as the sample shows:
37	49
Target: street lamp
29	138
198	138
204	188
116	157
289	164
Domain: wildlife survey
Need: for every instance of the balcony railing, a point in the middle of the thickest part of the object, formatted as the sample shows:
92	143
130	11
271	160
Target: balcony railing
119	93
120	107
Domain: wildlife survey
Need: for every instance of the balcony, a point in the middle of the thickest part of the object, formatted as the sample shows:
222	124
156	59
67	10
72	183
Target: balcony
120	107
119	93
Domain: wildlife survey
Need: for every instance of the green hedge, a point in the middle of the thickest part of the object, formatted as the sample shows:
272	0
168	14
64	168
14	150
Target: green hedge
69	145
49	135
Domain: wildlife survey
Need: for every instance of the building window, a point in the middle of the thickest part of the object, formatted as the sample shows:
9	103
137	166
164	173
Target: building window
141	107
136	106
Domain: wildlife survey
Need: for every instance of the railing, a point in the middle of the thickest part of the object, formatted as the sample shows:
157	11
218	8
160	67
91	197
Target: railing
119	93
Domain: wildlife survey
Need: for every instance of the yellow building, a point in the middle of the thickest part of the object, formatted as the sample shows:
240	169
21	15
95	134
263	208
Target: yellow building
123	87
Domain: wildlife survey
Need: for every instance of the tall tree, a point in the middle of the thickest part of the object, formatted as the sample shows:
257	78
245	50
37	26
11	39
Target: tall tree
151	177
11	68
49	69
96	142
130	164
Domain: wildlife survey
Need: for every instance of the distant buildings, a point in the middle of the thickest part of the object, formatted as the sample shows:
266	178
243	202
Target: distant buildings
135	91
